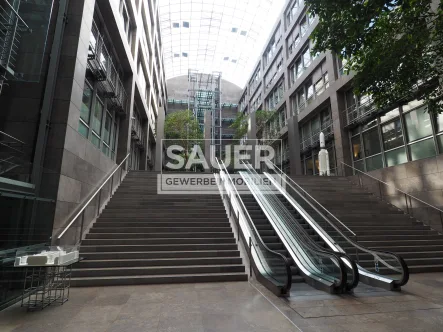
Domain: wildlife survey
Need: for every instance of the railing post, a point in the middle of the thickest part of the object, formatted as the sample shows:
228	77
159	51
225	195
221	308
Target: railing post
238	227
250	257
379	188
110	189
81	228
441	220
98	203
406	201
121	174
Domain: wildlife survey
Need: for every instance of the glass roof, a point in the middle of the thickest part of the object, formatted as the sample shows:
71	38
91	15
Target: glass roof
216	35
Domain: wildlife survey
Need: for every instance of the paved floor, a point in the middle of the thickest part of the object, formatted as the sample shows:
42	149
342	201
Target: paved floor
237	307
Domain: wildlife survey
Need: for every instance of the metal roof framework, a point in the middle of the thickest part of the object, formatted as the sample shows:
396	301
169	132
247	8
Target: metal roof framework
215	35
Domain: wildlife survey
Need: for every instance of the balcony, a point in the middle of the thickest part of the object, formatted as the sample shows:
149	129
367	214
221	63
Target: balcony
314	141
103	69
359	112
12	26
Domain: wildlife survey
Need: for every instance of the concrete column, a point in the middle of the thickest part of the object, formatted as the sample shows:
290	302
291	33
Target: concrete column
252	135
294	146
160	132
144	154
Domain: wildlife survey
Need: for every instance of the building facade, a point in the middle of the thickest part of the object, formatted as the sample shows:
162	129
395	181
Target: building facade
96	97
311	93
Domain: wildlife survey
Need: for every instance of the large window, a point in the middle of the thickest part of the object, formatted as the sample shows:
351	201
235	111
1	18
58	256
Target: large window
407	136
85	111
419	134
418	124
97	123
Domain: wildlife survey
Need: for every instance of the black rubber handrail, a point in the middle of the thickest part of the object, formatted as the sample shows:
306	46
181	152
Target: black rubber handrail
375	253
286	288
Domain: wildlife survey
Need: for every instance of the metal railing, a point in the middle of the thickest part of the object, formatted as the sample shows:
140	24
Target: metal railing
388	262
11	27
102	67
314	140
359	111
411	205
98	194
269	265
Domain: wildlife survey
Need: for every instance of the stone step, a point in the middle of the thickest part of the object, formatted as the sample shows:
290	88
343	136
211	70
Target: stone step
108	263
158	279
172	241
174	229
159	254
159	235
158	247
155	270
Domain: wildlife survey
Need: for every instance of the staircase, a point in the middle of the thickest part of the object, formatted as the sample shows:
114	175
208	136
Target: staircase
267	233
145	238
378	225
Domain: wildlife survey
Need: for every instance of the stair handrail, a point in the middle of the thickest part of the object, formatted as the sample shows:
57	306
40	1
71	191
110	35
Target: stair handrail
17	14
86	204
287	287
399	190
405	274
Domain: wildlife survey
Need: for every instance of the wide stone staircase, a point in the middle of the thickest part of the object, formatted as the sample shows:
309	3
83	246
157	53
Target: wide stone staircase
378	225
145	238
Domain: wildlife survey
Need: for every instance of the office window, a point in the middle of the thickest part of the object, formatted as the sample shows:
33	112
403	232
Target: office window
86	103
373	163
107	134
315	125
418	124
396	157
97	122
303	26
307	58
392	135
371	142
310	90
356	148
439	124
422	149
440	143
299	65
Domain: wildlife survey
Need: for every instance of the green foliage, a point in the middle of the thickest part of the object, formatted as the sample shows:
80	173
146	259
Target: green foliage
394	47
182	128
240	125
263	116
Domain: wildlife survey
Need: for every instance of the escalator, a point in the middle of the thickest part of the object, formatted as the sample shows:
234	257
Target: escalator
268	234
319	266
376	268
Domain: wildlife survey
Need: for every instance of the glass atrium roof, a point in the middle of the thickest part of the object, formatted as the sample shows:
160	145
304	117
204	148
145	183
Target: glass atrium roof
216	35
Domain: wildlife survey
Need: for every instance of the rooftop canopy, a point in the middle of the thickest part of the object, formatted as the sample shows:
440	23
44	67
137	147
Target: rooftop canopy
215	35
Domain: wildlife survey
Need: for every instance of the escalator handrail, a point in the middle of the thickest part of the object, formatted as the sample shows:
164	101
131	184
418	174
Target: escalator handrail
353	265
405	269
286	288
321	252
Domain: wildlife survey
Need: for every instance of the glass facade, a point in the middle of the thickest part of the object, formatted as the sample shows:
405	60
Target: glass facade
98	122
404	134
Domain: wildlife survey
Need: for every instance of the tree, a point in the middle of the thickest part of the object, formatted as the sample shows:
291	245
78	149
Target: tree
240	125
182	128
263	116
394	47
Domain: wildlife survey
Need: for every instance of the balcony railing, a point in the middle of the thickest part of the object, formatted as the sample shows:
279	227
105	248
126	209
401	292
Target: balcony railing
11	28
102	67
314	140
359	112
